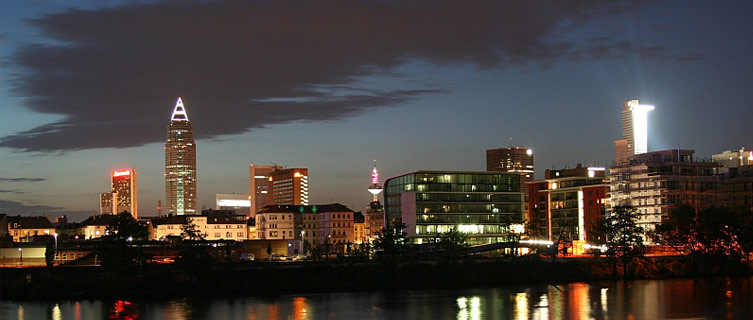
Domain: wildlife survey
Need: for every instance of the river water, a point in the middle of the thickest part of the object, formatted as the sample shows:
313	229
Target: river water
708	298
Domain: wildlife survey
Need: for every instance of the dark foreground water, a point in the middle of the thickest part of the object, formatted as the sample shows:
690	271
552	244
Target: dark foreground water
722	298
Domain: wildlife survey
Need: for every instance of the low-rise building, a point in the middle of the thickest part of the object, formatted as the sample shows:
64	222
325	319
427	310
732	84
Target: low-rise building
24	229
95	226
329	225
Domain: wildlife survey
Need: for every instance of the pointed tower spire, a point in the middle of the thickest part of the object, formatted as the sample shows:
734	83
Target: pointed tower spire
179	113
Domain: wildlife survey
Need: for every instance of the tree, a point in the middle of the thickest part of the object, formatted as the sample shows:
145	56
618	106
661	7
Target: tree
191	232
390	242
453	243
49	253
116	250
623	233
678	230
125	227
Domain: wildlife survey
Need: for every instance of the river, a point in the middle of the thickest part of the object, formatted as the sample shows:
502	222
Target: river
706	298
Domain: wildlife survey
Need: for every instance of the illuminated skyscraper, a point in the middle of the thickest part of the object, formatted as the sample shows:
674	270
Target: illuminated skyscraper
123	197
180	164
518	159
260	185
289	186
634	131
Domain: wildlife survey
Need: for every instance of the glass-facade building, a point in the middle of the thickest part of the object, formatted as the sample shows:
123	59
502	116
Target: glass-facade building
486	206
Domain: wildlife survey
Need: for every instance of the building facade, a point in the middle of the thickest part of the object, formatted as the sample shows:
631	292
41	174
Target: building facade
331	227
518	159
567	204
289	186
240	203
634	131
486	206
24	229
260	185
124	194
180	164
656	182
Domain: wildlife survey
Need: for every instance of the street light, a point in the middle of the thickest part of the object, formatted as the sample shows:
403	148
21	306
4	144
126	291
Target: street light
21	252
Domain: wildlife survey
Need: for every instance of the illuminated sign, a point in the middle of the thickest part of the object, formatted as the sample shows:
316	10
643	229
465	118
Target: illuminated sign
121	173
234	203
179	114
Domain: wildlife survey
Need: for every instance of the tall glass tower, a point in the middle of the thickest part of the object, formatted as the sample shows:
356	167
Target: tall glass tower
180	164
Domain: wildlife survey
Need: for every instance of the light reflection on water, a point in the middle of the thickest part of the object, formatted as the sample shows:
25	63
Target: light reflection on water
649	299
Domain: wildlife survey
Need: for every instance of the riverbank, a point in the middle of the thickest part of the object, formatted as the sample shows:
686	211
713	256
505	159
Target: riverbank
169	280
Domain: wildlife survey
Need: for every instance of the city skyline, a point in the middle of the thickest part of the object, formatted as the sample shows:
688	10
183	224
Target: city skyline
334	100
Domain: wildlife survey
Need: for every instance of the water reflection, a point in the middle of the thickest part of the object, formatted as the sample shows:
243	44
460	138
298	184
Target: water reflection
653	299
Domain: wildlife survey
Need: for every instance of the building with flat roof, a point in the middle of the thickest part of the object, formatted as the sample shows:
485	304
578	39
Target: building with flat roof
486	206
260	187
289	186
634	130
123	195
567	204
332	225
240	203
180	164
656	182
517	159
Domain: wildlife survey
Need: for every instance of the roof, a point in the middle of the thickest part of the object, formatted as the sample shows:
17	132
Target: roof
295	208
168	220
225	219
358	217
99	220
40	222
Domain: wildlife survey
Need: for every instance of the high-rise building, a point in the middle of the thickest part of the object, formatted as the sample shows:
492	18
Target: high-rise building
485	206
123	195
260	185
180	164
518	159
634	131
289	186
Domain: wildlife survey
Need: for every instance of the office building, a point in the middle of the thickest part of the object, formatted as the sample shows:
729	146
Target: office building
180	164
517	159
486	206
239	203
656	182
567	204
634	131
124	194
289	186
260	185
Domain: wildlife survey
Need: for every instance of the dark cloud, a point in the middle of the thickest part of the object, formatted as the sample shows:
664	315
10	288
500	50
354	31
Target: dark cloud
13	207
12	191
242	65
22	179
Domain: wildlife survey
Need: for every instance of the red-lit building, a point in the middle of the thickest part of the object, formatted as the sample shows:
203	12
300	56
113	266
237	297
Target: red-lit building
567	204
123	195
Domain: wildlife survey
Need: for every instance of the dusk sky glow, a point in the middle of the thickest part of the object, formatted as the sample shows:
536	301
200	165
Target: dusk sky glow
88	87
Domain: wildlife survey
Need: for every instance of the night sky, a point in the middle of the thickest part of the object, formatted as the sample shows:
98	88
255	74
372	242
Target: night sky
89	86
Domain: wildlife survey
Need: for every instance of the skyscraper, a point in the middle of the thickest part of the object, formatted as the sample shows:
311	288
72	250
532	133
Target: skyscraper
180	164
634	131
260	185
289	186
518	159
123	195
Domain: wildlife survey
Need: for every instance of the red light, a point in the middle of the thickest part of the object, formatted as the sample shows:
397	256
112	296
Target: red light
121	173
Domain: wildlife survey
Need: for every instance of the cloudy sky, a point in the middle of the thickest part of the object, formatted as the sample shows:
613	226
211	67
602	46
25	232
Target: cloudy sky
89	86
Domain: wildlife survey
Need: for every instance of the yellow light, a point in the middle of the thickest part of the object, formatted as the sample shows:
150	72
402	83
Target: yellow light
297	175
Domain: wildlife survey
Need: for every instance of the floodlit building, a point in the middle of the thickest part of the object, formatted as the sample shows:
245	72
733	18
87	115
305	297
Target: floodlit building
567	204
95	226
518	159
634	131
658	181
124	194
240	203
289	186
260	185
180	164
486	206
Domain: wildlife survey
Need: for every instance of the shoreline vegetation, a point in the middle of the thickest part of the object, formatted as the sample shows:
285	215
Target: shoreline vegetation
273	278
